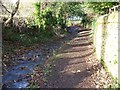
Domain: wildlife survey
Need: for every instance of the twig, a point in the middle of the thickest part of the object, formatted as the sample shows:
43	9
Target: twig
5	7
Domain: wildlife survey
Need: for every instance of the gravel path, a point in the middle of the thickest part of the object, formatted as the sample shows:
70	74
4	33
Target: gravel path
77	67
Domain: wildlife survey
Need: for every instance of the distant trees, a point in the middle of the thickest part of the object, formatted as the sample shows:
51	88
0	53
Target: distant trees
100	7
49	18
93	9
48	15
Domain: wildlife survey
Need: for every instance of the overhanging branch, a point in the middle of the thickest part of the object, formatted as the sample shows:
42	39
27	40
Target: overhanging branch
5	7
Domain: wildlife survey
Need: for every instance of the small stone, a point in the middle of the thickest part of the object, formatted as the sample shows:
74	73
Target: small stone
73	71
97	86
88	71
54	65
78	71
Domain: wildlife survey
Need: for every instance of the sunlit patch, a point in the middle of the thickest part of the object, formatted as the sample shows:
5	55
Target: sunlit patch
13	1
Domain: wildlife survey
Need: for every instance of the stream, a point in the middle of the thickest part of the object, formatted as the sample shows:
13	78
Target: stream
17	75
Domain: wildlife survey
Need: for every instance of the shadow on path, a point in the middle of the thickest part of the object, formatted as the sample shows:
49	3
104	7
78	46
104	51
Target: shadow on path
74	68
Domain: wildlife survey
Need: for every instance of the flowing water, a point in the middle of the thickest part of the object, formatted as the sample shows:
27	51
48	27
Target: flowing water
16	76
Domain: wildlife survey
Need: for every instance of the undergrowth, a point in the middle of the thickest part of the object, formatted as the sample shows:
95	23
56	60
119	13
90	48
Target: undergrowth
12	40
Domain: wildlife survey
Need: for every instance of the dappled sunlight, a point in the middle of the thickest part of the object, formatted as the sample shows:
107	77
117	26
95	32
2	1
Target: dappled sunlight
77	76
78	63
77	49
82	44
72	55
49	44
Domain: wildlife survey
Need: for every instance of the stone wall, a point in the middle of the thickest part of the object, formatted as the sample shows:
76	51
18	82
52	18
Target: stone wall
106	29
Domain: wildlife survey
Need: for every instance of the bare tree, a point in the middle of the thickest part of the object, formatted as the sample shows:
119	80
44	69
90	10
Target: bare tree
9	20
4	7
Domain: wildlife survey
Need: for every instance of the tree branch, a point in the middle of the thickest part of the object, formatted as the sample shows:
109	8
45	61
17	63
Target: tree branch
13	13
5	7
16	8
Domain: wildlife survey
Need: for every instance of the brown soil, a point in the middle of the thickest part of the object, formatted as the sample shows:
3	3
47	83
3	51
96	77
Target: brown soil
77	67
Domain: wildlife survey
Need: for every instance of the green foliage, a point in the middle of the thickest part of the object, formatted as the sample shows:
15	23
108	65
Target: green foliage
101	7
74	9
86	20
115	61
48	69
42	24
37	14
52	15
114	86
33	86
24	39
94	8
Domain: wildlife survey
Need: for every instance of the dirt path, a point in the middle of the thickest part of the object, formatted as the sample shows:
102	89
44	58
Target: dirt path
77	67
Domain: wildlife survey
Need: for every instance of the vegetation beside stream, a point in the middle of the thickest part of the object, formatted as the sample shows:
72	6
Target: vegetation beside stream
51	23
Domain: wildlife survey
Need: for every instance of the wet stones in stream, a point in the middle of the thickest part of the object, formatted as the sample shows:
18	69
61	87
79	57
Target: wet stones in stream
18	76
